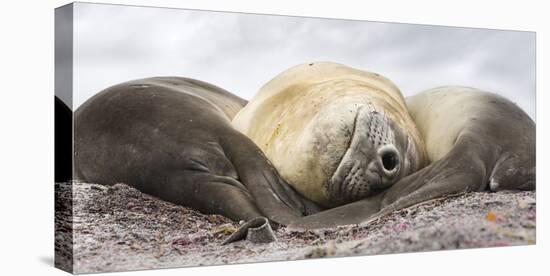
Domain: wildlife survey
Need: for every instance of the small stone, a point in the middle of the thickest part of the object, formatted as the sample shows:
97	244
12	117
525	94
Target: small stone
526	203
183	241
529	224
226	229
491	216
214	219
97	187
328	250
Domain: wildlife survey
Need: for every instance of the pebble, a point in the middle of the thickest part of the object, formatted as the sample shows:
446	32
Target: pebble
526	203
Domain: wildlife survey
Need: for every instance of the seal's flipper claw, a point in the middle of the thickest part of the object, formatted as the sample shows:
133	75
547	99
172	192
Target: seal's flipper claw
256	230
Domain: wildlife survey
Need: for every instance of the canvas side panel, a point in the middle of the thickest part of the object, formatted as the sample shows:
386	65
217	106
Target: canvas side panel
64	138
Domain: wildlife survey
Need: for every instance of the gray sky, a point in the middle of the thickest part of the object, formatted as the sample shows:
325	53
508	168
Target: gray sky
241	52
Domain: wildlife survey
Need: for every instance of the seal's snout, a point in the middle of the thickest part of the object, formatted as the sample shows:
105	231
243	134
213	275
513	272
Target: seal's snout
388	159
372	161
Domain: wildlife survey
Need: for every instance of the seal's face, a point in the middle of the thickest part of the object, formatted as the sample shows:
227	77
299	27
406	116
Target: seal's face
360	150
373	161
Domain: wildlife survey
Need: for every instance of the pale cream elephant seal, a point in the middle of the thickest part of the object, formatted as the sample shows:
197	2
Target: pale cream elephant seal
475	140
336	134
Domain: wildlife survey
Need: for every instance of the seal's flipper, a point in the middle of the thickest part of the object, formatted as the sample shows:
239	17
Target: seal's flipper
352	213
509	168
210	194
464	169
257	230
276	199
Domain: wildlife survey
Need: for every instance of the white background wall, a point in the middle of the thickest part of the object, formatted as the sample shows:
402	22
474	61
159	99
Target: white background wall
26	145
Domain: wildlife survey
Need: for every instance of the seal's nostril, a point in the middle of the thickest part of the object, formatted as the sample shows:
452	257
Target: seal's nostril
389	160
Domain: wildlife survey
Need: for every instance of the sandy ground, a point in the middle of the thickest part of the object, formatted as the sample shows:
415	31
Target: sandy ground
118	228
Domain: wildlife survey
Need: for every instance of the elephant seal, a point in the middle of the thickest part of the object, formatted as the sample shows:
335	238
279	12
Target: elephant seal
335	133
475	140
172	138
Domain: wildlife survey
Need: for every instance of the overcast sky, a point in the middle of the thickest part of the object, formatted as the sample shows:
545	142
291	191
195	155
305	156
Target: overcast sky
241	52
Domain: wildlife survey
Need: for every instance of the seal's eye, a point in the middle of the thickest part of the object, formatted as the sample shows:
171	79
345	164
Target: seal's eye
389	160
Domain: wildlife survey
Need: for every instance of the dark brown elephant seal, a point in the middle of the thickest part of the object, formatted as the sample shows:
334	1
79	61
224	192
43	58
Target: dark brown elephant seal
476	141
172	138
